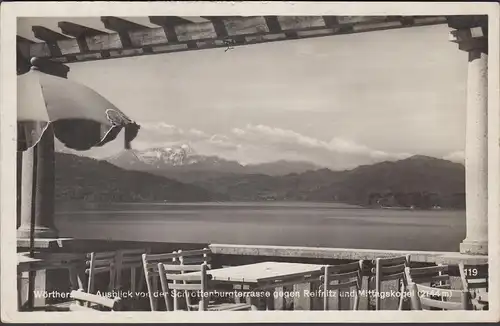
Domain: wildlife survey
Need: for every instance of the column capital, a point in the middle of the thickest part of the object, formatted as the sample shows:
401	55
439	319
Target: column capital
469	32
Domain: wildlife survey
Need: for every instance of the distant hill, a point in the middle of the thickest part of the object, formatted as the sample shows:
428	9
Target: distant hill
83	178
418	181
183	164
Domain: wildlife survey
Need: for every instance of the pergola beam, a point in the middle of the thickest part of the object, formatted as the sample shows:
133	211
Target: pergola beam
178	34
76	30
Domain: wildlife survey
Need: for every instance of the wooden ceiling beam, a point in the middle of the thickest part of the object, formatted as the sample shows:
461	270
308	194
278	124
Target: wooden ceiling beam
77	30
48	35
168	20
176	34
122	27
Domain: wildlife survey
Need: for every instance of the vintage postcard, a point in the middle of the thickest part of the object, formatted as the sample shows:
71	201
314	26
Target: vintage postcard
249	162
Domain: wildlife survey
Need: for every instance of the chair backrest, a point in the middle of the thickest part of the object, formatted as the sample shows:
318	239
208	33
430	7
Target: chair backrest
390	269
91	302
186	278
475	280
340	277
430	298
150	266
114	263
195	257
436	276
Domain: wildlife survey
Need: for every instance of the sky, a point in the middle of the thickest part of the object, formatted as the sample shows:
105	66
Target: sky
337	101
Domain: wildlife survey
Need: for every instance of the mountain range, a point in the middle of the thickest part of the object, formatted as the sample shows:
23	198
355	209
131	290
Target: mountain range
183	164
177	174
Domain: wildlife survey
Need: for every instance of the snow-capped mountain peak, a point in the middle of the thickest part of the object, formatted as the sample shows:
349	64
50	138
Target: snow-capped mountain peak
173	156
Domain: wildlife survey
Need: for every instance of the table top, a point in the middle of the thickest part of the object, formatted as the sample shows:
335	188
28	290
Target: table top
46	261
23	258
259	272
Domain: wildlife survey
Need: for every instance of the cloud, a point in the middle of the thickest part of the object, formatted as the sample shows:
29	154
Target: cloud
164	132
336	153
262	143
458	157
222	141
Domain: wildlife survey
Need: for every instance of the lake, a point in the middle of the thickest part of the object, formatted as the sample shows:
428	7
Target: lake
266	223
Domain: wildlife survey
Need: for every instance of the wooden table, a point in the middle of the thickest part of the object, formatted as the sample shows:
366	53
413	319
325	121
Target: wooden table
24	262
74	263
260	272
256	277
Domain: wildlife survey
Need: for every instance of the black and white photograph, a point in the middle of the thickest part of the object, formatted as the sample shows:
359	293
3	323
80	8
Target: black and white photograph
167	160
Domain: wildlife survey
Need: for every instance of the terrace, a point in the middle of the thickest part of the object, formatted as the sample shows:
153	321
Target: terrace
79	43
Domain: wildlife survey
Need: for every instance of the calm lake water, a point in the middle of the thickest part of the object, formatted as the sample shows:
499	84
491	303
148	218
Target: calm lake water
293	224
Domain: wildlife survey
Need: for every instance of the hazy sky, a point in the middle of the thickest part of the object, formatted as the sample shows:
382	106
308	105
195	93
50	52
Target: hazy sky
339	101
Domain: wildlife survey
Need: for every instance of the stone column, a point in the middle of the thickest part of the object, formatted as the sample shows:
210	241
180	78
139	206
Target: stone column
471	35
37	189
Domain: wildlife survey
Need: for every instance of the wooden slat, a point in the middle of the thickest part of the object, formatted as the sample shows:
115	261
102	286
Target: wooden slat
391	261
392	277
184	277
181	268
343	276
428	270
198	252
428	290
430	278
393	269
102	255
478	285
77	307
354	266
447	305
343	285
184	287
195	260
156	258
93	298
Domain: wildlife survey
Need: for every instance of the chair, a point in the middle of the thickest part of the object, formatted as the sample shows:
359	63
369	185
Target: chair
279	283
174	278
390	269
436	276
195	257
92	302
431	298
150	266
115	263
345	276
475	281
